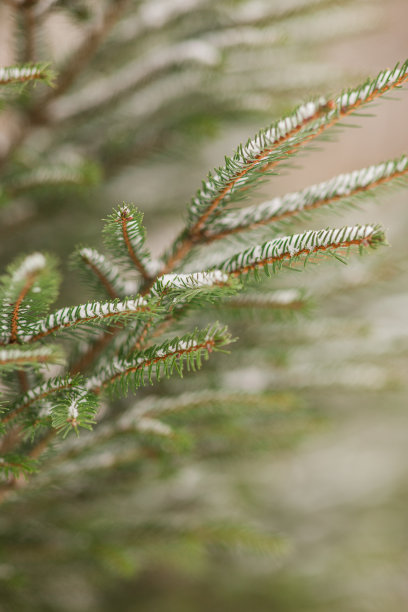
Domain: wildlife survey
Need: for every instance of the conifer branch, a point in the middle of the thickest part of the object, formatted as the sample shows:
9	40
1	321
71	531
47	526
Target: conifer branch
29	24
33	356
81	173
124	234
25	73
53	386
14	465
76	409
269	148
42	7
16	310
288	250
282	299
105	91
32	277
102	270
84	54
85	314
343	188
121	373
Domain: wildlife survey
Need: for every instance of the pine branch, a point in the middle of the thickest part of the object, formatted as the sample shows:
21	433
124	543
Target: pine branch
177	294
74	410
86	314
124	235
25	73
181	288
42	7
270	147
84	54
29	25
102	272
342	188
105	91
53	386
122	373
282	299
287	250
27	290
14	465
81	173
16	358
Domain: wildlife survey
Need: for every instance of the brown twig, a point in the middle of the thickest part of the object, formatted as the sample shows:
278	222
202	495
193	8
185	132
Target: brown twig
208	238
194	235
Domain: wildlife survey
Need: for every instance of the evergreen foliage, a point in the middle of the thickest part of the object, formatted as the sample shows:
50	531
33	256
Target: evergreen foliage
71	369
159	298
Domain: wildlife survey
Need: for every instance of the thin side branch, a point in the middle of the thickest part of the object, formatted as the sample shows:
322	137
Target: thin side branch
124	219
97	386
344	187
88	48
269	148
16	310
37	394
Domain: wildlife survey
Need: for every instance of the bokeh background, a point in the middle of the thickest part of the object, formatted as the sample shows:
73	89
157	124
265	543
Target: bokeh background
329	481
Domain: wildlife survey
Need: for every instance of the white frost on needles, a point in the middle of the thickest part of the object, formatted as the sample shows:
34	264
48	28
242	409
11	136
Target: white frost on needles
11	74
341	186
108	270
190	281
289	247
31	264
84	313
270	146
39	354
255	154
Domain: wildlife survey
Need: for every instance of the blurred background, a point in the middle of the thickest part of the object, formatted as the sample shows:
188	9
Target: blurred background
290	493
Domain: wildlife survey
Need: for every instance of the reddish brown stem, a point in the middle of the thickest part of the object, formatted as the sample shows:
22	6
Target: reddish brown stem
124	218
208	344
208	238
194	235
15	316
306	251
109	289
11	415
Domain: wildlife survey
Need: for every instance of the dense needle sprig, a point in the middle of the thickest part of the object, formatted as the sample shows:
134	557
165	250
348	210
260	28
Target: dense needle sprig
129	335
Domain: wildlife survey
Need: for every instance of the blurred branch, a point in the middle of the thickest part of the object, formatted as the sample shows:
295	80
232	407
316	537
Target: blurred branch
88	48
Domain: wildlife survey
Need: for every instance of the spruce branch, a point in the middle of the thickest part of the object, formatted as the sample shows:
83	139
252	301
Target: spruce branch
13	465
124	235
29	25
105	91
27	290
269	148
288	250
16	358
344	188
158	360
26	73
86	314
73	410
282	299
37	394
84	54
103	273
82	173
